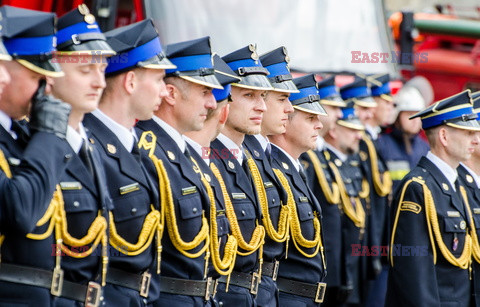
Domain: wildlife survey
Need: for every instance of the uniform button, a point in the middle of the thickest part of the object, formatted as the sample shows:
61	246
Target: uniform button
456	226
67	157
133	211
350	192
310	213
76	204
195	210
348	180
273	201
221	228
243	212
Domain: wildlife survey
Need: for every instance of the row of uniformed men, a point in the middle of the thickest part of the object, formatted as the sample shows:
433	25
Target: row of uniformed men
167	211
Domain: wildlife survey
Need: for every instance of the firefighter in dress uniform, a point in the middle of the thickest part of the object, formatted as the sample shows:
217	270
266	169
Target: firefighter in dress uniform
135	86
275	212
184	276
321	181
31	160
302	272
431	236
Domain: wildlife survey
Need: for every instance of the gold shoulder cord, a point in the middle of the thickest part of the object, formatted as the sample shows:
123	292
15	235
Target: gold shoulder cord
282	234
6	169
222	266
56	214
464	260
473	229
168	208
382	189
332	195
357	214
298	239
257	240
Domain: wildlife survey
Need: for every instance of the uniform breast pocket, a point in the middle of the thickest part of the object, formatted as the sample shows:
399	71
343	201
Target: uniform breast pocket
81	209
476	217
190	215
246	217
222	225
454	224
305	215
133	205
273	197
455	231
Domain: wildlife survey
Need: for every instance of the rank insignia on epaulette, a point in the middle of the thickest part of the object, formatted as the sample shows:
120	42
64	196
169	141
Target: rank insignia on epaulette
70	185
338	162
129	188
13	161
239	196
453	214
207	177
256	153
92	141
410	206
170	155
469	178
305	164
327	155
463	225
363	155
231	165
111	148
284	165
189	190
476	210
268	184
445	186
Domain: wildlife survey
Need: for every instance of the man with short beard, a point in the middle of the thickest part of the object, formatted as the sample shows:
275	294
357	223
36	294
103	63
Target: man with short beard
318	167
343	142
231	165
301	274
274	209
431	254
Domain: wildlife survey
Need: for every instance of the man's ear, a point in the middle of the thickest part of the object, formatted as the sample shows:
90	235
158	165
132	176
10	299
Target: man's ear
129	82
173	94
443	136
224	114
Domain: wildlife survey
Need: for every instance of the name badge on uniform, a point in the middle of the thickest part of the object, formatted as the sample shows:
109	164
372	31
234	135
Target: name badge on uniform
268	184
129	188
453	214
303	199
239	196
476	210
189	190
13	161
70	185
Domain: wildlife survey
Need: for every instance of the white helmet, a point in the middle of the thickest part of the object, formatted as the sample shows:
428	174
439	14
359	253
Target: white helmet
409	99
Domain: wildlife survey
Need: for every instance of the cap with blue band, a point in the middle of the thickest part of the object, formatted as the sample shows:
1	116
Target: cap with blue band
380	86
194	62
349	119
329	93
276	62
247	65
225	76
28	37
137	46
359	92
455	111
79	33
307	99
